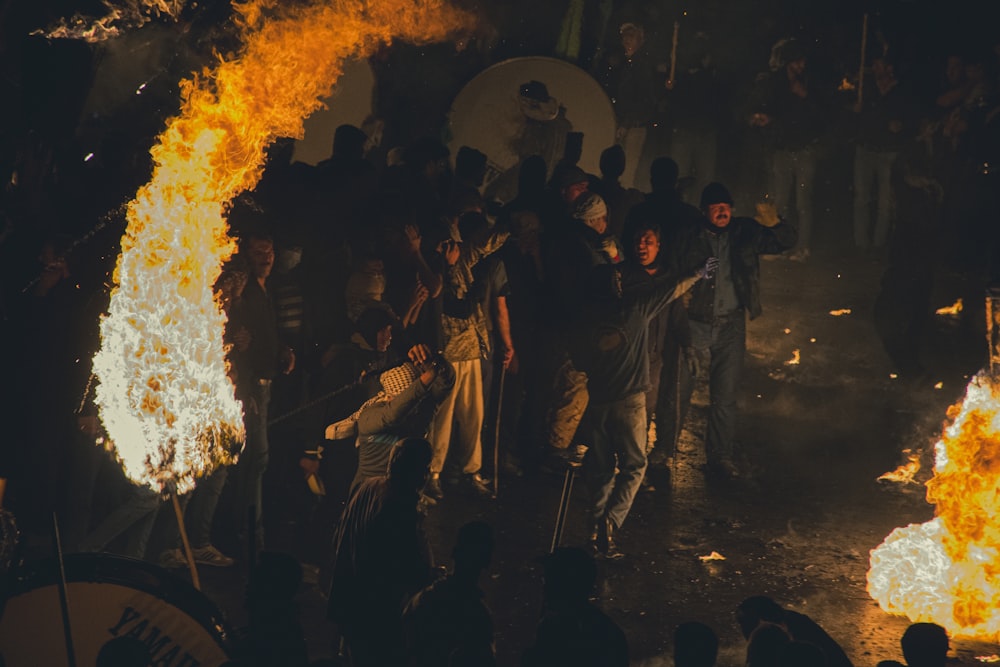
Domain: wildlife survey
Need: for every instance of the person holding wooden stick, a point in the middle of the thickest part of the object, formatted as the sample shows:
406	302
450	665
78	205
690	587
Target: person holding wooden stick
792	113
883	130
630	79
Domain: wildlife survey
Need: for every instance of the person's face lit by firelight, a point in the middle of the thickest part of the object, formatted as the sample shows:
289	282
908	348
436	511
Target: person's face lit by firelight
383	338
261	253
647	247
720	214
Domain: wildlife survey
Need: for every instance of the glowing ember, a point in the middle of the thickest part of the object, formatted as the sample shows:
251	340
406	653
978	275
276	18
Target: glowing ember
164	396
951	310
841	312
796	358
715	555
947	570
905	473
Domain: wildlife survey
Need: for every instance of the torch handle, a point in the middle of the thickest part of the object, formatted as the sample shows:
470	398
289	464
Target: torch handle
63	597
184	540
861	68
673	52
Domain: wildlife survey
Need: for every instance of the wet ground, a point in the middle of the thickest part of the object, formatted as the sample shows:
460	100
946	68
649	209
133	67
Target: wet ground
816	435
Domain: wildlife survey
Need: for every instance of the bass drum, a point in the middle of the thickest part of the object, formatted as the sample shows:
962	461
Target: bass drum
109	597
487	115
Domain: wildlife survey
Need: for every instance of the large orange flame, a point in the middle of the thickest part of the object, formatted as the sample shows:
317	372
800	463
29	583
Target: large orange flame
121	16
164	396
947	571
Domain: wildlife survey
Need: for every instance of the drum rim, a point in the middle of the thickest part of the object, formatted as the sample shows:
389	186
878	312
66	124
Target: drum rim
108	568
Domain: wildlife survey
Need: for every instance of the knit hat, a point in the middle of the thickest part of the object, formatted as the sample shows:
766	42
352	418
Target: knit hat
589	207
715	193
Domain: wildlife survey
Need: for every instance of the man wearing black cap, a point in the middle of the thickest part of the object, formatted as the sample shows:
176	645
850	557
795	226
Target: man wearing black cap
719	306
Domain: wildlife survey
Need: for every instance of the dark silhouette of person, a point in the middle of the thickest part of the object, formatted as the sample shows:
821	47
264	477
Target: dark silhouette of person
925	645
447	622
761	610
663	204
125	651
573	631
766	644
381	558
801	654
619	199
274	637
695	645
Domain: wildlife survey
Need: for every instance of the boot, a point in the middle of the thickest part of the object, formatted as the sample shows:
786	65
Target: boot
606	546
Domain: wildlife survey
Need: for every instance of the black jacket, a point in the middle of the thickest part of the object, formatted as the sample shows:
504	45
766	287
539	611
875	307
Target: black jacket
749	240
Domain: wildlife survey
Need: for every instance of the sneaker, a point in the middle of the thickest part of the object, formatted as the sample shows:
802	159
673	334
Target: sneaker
478	484
172	559
209	555
432	489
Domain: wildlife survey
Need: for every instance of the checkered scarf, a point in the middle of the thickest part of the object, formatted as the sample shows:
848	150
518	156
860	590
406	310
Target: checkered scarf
394	382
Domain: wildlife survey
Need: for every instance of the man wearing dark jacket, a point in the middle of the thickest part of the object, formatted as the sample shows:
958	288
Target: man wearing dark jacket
669	334
610	346
719	307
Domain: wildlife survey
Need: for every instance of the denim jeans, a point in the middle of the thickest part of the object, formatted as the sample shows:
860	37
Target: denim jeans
872	172
725	342
252	464
136	515
614	432
793	175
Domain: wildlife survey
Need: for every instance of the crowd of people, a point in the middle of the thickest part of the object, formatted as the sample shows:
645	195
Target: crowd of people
395	307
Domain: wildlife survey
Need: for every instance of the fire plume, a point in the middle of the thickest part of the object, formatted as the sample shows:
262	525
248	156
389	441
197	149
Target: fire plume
164	396
120	17
947	570
905	473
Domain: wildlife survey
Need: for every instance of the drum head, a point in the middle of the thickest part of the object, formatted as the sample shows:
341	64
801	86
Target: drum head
109	597
490	115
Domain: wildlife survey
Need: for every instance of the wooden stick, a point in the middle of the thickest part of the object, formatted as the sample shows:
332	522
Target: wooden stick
673	53
496	435
184	540
861	70
63	598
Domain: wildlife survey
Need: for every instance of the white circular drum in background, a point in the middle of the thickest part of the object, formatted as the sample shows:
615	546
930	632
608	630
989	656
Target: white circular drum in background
486	115
350	104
